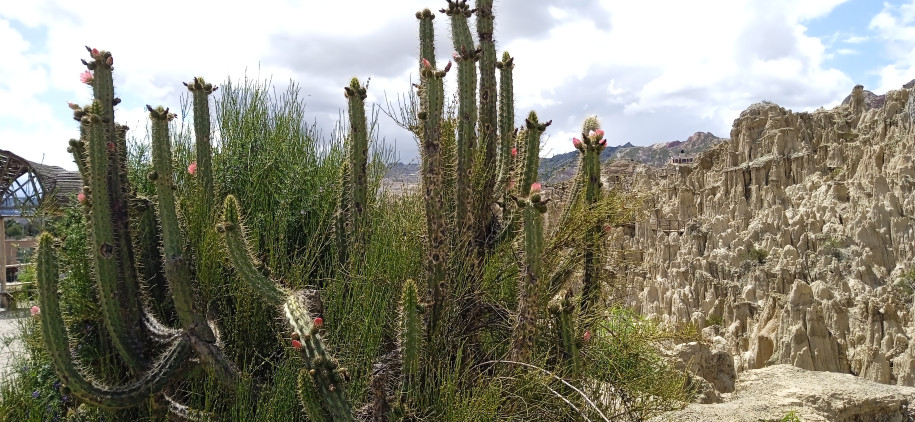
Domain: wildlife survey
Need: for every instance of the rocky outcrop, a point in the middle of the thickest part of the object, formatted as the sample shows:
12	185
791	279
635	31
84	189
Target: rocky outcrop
772	393
796	238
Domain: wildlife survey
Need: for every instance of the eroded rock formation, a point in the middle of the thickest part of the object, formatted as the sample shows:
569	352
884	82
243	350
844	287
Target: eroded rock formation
796	237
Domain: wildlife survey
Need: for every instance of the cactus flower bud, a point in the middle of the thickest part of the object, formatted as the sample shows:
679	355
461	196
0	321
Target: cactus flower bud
35	310
73	106
514	152
586	336
94	53
192	168
576	142
535	187
81	197
85	77
603	142
296	344
426	63
110	146
319	322
607	228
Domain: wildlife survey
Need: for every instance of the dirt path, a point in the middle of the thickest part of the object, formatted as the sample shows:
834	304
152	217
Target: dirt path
9	338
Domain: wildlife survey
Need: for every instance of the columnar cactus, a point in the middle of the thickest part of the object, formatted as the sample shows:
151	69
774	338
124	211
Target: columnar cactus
506	118
411	334
358	159
466	57
200	91
433	165
100	155
591	145
322	377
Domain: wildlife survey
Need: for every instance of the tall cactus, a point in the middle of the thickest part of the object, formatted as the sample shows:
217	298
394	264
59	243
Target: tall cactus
466	57
100	155
358	159
591	145
431	146
200	91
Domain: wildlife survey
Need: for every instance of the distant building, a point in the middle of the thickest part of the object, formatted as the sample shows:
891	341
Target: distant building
682	158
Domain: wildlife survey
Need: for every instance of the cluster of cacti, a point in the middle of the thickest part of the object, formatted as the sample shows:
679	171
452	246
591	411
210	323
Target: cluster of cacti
123	249
490	162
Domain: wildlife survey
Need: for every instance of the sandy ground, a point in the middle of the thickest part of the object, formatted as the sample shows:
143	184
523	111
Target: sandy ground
9	341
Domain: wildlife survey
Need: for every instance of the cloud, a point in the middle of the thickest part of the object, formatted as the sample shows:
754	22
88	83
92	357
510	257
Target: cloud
894	27
654	71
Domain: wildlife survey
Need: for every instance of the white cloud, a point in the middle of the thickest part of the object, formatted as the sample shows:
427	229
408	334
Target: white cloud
685	66
895	26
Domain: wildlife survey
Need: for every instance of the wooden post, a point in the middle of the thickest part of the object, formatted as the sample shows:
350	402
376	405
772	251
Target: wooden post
3	301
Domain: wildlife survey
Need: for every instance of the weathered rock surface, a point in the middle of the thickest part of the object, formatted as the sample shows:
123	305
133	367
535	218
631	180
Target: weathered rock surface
769	394
796	237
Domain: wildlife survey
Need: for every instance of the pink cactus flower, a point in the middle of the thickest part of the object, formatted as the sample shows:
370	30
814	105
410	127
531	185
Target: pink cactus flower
576	142
35	310
192	168
586	336
514	152
81	197
296	344
535	187
86	77
319	322
426	63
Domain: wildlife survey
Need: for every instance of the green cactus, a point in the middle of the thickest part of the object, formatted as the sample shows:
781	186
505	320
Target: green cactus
358	159
466	56
323	372
506	119
591	145
56	341
200	91
431	148
531	288
411	334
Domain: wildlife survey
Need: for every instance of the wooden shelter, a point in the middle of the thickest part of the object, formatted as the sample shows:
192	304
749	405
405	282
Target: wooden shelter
26	187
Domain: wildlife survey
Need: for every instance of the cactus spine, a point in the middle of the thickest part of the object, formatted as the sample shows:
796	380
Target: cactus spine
323	372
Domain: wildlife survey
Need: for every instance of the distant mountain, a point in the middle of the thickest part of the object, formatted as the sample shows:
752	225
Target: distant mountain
563	166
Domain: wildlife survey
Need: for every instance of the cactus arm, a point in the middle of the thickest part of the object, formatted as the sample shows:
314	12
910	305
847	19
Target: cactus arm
242	259
591	146
466	57
358	158
531	151
433	187
487	167
311	400
55	338
323	369
506	118
114	140
200	90
117	316
177	272
411	334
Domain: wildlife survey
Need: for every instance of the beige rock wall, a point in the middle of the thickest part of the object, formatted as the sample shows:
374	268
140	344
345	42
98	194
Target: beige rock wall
794	236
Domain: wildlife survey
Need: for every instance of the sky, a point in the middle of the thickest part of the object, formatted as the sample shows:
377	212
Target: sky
653	71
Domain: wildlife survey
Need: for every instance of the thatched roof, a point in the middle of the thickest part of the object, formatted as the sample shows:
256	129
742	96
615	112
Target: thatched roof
47	186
